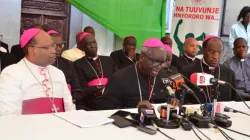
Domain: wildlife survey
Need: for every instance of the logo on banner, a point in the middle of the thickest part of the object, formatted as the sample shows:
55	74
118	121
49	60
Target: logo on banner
202	80
198	2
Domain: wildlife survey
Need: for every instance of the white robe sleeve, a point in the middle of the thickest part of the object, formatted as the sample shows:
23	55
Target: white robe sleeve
67	98
10	92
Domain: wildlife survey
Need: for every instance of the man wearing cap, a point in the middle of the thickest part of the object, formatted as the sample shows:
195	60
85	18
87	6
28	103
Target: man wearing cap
137	84
191	48
212	48
127	56
93	70
76	52
67	67
33	86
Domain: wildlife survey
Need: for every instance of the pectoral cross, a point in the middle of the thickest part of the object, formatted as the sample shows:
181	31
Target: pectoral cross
54	109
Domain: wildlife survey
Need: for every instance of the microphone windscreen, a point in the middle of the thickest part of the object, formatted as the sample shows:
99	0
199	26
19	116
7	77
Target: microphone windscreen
208	107
193	78
141	107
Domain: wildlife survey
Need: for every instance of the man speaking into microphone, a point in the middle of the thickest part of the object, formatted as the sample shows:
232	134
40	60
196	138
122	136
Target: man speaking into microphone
212	49
137	84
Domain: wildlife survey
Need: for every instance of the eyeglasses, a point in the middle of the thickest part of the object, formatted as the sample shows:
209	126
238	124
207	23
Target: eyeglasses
155	63
50	47
60	46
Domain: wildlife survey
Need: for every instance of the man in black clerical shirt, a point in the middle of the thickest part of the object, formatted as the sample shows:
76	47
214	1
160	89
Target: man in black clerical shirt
212	48
191	48
67	68
175	59
93	70
127	56
139	83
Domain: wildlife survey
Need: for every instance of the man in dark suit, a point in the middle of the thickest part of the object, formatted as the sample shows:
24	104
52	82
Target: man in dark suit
6	59
17	51
5	46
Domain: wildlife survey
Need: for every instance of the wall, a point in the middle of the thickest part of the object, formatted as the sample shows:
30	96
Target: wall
76	19
10	15
104	38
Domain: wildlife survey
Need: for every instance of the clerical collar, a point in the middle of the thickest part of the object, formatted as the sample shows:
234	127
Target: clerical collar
191	58
240	59
209	67
93	58
31	64
141	71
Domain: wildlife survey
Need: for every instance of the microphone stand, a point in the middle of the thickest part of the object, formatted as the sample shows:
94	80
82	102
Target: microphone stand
216	94
168	109
182	97
167	123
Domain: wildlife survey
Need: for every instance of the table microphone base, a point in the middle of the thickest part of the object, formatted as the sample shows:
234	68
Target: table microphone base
171	124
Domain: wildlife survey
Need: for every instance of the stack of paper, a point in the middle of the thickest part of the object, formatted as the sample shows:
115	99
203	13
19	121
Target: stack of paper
83	118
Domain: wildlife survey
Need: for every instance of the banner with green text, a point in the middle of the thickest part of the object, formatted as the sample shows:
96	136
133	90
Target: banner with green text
196	19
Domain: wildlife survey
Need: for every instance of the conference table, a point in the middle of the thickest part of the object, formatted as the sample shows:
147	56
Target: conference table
50	127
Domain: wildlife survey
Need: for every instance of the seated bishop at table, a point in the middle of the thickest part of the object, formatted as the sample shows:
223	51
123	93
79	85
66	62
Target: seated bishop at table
33	86
212	48
93	71
139	83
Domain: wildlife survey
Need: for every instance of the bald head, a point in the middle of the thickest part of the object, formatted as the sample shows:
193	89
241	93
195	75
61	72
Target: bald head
90	30
129	44
167	41
191	47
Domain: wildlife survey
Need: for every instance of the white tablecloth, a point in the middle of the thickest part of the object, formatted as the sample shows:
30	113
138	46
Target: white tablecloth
49	127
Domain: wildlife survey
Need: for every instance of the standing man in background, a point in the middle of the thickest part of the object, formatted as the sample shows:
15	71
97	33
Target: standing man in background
242	28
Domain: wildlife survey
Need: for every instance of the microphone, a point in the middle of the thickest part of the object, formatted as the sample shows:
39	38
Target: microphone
179	83
149	115
204	79
167	85
146	114
228	109
165	112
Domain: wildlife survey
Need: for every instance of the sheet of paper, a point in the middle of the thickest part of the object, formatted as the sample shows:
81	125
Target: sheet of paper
83	119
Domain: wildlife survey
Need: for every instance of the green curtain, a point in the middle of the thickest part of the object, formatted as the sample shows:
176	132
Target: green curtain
140	18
